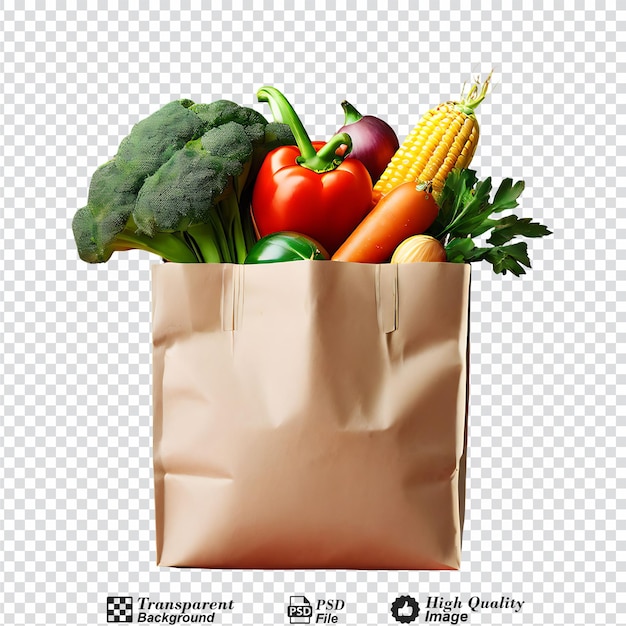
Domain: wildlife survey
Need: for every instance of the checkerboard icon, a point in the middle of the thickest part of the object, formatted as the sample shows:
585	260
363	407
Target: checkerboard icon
119	610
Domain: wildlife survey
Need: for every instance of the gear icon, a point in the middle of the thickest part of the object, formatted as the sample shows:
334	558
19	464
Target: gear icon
405	609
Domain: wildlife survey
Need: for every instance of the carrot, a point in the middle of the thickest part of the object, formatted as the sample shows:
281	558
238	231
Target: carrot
408	209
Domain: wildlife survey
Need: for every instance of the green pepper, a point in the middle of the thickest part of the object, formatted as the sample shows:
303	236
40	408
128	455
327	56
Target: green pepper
285	246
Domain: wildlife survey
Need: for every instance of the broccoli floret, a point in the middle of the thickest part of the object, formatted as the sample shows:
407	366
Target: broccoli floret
105	225
231	143
222	111
96	243
155	139
182	192
200	190
180	185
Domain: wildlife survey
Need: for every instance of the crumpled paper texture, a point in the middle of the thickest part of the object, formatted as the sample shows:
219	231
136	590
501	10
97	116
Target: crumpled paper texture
310	414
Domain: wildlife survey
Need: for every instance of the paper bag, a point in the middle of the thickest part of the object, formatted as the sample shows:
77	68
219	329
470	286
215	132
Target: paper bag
310	414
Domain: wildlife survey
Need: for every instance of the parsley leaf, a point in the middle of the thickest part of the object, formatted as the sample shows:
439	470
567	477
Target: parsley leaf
456	193
460	250
509	227
465	212
508	258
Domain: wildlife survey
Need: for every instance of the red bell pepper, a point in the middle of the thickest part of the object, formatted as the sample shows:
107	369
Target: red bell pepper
309	188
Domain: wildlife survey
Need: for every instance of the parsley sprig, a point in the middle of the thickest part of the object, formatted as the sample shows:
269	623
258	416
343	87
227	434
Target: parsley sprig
465	212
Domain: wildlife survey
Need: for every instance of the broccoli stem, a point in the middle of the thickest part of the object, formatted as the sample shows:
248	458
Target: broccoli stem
243	185
165	245
204	238
239	240
219	235
229	213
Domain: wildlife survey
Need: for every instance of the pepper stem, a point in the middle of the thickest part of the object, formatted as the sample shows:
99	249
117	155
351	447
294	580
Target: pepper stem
351	114
323	161
327	159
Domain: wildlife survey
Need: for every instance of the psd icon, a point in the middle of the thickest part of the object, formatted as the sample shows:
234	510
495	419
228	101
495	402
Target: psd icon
405	609
119	610
299	610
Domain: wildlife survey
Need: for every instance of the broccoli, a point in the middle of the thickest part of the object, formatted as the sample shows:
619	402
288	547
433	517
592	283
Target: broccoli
180	185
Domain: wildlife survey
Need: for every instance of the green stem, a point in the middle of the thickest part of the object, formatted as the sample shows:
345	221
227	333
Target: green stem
326	159
203	236
229	213
323	161
193	244
352	115
221	239
165	245
284	113
243	186
240	250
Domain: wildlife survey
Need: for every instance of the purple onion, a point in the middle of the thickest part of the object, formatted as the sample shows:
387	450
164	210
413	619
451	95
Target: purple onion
374	142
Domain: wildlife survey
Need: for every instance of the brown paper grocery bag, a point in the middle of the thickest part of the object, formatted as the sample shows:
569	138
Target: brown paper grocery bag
310	414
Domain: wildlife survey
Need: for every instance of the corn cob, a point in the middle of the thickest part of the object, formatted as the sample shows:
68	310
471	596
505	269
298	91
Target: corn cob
445	138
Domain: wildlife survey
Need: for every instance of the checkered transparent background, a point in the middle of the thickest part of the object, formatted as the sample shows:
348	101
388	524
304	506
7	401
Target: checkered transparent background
547	414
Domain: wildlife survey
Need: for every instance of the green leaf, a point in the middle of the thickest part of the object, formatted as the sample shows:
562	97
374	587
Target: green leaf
456	193
509	258
459	250
466	213
507	195
474	211
509	227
